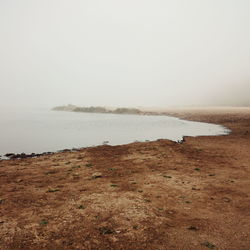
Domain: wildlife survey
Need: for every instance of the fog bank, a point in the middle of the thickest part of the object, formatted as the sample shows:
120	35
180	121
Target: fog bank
124	53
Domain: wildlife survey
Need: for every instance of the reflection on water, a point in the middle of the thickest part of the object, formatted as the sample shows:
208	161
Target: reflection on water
43	130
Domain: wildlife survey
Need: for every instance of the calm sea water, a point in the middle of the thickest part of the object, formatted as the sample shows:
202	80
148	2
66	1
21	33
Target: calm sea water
44	130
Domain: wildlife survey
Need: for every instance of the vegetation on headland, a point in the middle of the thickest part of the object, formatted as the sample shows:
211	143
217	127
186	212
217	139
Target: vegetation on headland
97	109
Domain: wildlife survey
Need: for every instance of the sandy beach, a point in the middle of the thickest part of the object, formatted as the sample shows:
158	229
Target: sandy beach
150	195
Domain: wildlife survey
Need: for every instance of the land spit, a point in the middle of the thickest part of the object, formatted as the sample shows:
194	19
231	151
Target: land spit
150	195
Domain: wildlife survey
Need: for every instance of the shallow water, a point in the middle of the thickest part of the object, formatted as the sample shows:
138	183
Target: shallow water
44	130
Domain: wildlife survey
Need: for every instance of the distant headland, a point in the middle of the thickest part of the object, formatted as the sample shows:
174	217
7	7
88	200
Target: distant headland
73	108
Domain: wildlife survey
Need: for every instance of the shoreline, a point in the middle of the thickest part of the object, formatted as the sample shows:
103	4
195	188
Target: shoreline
23	155
146	195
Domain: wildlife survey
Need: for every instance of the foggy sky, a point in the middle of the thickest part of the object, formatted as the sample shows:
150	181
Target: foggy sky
124	53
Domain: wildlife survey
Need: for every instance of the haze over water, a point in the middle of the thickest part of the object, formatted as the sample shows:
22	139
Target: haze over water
124	53
43	130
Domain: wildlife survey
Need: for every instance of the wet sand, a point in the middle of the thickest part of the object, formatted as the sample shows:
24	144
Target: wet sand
151	195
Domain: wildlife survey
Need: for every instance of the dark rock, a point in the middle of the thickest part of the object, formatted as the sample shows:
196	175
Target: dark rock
193	228
106	230
208	245
75	149
96	175
64	150
9	154
23	155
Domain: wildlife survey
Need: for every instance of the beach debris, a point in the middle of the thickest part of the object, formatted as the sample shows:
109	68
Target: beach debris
96	175
208	245
167	176
89	165
197	169
171	211
43	222
193	228
182	197
77	166
211	175
226	199
106	230
112	169
113	185
52	190
81	207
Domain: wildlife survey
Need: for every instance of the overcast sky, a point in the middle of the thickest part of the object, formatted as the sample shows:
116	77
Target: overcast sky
124	53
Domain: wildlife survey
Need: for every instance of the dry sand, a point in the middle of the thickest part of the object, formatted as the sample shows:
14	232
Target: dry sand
152	195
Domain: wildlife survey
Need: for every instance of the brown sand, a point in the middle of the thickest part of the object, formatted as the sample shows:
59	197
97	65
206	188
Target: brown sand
152	195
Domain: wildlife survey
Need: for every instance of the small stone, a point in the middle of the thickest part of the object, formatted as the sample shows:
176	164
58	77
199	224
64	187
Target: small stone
193	228
43	222
208	245
52	190
167	176
226	199
96	175
106	230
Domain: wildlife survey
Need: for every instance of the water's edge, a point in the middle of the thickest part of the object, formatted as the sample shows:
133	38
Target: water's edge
11	155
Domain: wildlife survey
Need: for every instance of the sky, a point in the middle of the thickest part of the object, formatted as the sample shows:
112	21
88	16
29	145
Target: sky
151	53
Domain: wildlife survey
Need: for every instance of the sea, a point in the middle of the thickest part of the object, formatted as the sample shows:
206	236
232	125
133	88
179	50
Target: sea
42	130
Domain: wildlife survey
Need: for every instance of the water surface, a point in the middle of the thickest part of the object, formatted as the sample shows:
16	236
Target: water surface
44	130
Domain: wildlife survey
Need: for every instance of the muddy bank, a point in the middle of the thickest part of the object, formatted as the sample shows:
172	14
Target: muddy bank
151	195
